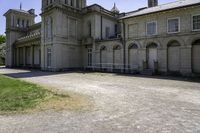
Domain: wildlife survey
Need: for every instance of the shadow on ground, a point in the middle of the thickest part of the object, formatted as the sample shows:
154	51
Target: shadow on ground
38	73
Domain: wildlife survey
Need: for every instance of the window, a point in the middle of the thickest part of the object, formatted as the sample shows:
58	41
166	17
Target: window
71	2
89	57
107	32
151	28
173	25
196	22
27	23
49	31
18	22
72	28
13	21
77	3
48	57
23	25
50	2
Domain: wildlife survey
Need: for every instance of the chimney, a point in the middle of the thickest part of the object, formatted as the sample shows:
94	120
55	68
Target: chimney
31	11
152	3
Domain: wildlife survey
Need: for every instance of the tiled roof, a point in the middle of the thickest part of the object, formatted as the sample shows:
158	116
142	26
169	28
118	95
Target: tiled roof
168	6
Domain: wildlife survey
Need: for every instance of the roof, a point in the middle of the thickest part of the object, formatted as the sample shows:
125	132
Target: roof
19	11
164	7
22	11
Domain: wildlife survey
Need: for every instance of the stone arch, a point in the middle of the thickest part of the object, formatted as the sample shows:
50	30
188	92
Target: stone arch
152	55
103	56
173	43
133	43
152	45
173	56
133	46
117	56
117	47
174	39
133	57
195	56
103	47
192	39
152	41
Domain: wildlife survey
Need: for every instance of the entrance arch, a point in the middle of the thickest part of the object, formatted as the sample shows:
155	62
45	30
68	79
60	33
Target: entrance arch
133	56
152	55
117	57
173	55
196	56
103	57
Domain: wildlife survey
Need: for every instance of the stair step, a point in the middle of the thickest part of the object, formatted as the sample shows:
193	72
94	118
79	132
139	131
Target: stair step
148	72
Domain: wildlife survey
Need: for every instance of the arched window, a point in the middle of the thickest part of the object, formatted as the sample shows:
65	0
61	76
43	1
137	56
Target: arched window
133	56
103	48
117	47
103	57
49	26
23	23
196	57
173	56
133	46
18	22
152	45
77	4
27	23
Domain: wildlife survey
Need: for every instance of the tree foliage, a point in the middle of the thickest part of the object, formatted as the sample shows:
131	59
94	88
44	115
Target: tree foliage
2	49
2	39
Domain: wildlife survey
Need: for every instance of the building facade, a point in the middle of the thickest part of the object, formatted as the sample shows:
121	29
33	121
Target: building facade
155	39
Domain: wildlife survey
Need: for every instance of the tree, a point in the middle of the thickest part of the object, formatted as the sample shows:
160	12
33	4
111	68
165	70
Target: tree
2	49
2	39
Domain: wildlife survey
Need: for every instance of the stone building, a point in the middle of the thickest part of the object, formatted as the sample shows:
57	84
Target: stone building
158	38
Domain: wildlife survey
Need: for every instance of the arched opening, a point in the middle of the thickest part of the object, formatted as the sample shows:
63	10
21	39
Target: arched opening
117	57
152	55
173	56
103	57
196	56
133	56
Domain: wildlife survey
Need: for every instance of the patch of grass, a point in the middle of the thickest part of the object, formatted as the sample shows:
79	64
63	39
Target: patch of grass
20	96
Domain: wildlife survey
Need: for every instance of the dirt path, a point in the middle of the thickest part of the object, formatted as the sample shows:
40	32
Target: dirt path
121	104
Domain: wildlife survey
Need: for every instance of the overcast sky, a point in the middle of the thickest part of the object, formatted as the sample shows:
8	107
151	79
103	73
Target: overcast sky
123	5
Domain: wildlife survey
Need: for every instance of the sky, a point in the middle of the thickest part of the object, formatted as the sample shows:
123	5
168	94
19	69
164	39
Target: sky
123	6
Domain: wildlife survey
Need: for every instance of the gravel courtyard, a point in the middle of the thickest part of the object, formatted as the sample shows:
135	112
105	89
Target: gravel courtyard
124	104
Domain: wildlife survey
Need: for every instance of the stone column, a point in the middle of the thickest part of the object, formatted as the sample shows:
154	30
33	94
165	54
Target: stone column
31	56
17	57
24	56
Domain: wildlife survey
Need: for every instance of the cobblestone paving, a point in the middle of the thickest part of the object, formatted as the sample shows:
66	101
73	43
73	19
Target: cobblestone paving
124	104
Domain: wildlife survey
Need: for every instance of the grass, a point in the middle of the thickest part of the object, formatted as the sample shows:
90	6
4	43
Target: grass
20	96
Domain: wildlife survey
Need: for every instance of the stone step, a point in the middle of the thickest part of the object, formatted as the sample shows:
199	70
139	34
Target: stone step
148	72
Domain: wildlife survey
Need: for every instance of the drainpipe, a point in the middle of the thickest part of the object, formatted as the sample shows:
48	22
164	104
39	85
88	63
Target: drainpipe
124	44
101	28
101	24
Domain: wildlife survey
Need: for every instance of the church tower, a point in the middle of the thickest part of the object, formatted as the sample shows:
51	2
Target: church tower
152	3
